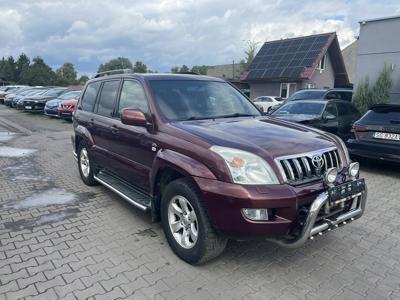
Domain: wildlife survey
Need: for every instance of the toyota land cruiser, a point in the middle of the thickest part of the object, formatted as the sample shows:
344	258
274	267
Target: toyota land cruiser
202	158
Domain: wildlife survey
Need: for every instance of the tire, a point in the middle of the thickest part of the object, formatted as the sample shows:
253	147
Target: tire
208	244
87	175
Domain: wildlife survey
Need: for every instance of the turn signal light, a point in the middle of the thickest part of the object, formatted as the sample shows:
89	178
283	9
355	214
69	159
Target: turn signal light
359	128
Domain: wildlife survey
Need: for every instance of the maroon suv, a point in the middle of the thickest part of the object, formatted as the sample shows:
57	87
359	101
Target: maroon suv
202	158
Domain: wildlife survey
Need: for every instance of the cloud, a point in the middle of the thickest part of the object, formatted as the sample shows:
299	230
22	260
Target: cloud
166	33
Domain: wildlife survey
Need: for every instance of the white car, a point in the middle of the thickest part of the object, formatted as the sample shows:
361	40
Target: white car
266	103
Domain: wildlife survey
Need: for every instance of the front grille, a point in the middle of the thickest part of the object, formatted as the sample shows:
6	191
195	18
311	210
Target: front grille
67	106
306	167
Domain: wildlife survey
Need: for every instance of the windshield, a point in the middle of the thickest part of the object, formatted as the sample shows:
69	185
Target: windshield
300	109
70	95
198	99
53	92
307	94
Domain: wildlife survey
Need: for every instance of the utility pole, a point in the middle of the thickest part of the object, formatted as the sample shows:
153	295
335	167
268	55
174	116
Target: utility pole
233	69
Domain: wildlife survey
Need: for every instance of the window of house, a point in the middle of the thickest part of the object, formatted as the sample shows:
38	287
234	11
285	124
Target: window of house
311	85
132	96
107	98
287	89
321	65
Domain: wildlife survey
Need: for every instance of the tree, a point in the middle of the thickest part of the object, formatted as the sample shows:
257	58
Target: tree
200	69
139	67
38	73
82	80
184	69
8	69
174	69
21	65
366	95
115	64
250	53
66	74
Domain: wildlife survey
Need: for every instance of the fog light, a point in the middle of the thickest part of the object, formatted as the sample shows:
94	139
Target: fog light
256	214
331	175
354	169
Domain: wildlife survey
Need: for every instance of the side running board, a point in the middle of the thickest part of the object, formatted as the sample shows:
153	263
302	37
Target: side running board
124	189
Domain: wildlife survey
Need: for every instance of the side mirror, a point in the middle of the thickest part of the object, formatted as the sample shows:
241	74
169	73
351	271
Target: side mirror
329	117
134	117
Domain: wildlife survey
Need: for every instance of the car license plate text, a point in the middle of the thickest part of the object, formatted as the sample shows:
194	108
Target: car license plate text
387	136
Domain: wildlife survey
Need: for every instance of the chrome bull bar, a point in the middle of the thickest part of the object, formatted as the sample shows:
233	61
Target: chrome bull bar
309	229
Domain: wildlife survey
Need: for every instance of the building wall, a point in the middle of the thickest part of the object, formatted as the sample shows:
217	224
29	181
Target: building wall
379	44
264	89
324	78
225	71
350	60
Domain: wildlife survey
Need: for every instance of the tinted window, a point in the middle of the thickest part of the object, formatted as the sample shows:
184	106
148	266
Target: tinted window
382	116
107	98
90	96
307	94
346	109
132	96
300	108
200	99
54	92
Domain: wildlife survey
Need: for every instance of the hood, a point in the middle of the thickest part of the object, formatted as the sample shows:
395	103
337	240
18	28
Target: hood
69	102
42	98
297	118
267	137
54	102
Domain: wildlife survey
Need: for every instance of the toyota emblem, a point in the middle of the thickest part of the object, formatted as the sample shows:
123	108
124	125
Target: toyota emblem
317	161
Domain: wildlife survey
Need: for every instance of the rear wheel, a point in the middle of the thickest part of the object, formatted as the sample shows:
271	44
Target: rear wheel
186	224
85	164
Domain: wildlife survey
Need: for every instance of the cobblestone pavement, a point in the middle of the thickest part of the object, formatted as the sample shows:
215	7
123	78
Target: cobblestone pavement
62	239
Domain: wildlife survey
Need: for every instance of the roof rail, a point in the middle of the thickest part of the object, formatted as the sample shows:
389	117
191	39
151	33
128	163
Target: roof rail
113	72
188	73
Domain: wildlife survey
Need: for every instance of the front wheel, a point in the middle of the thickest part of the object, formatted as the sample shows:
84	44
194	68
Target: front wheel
186	224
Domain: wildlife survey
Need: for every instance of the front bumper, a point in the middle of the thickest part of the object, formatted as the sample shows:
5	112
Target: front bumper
65	114
51	111
225	201
374	150
34	106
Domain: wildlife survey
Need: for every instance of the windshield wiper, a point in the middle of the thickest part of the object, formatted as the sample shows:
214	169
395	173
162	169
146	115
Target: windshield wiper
235	115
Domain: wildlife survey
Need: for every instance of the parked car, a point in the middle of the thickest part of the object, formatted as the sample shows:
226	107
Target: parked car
9	90
377	134
51	107
334	116
18	102
37	103
266	103
336	93
199	155
13	100
67	108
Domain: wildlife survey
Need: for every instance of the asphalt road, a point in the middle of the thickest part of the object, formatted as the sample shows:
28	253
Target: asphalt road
62	239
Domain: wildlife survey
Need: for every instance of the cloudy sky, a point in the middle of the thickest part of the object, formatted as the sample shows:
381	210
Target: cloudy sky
165	33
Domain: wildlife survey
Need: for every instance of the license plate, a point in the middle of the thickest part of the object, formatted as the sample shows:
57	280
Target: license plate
28	107
387	136
346	191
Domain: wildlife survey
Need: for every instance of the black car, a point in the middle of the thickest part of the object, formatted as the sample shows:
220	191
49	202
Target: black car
37	103
336	93
335	116
377	134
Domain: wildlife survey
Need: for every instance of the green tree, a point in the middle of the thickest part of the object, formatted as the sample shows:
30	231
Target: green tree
139	67
38	73
82	80
174	69
8	69
184	69
115	64
66	74
250	53
21	65
367	95
200	69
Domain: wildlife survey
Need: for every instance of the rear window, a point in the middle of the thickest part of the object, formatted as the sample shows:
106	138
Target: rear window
306	95
382	116
89	97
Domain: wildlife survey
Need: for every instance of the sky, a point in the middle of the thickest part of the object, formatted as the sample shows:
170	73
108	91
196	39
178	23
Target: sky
167	33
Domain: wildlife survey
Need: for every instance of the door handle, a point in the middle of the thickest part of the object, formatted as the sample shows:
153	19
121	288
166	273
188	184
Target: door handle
114	129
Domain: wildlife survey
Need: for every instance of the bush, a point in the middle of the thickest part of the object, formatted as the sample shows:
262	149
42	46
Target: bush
366	95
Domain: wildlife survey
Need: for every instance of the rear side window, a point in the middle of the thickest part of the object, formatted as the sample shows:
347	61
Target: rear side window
89	97
132	96
346	109
107	98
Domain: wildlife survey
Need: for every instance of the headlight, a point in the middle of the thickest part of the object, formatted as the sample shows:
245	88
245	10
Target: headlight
354	169
245	167
346	152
